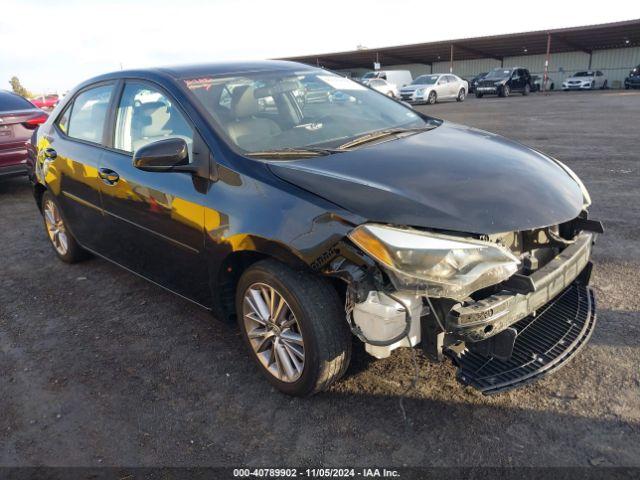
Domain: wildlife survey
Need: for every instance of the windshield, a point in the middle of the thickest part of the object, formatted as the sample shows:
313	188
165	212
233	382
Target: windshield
267	111
426	80
498	73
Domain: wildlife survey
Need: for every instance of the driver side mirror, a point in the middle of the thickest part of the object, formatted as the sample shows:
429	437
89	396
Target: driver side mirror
170	154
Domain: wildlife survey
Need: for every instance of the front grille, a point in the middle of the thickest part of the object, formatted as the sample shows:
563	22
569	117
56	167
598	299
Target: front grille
544	343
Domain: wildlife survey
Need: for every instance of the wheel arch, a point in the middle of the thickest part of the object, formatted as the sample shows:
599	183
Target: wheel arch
226	274
38	193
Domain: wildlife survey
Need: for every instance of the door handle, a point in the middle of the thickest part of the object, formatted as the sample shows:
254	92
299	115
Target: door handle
108	176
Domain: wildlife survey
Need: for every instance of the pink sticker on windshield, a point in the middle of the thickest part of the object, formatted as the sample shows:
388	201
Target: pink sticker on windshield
195	83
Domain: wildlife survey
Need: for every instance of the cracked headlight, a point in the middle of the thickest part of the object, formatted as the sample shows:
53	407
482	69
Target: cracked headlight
442	265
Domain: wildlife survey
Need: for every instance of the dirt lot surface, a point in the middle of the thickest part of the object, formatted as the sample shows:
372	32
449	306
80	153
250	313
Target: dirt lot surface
99	367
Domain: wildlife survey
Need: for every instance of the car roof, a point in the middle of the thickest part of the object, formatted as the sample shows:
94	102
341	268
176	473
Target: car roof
178	72
215	68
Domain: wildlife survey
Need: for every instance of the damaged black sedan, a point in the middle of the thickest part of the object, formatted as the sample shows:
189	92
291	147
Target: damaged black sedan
310	219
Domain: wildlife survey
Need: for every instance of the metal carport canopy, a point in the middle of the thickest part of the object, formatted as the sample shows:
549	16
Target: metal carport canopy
586	39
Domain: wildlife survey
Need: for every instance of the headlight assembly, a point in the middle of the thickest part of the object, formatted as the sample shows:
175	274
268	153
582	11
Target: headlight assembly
442	265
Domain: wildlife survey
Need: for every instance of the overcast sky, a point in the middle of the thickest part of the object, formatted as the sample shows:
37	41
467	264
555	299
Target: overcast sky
52	45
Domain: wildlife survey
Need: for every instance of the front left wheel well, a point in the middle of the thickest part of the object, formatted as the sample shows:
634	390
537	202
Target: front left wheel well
38	192
229	274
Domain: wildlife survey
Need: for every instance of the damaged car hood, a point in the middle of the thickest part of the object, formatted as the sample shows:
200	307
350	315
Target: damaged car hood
450	178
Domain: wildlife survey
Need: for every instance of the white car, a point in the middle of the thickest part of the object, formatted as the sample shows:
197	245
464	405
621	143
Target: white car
434	87
399	78
585	80
384	87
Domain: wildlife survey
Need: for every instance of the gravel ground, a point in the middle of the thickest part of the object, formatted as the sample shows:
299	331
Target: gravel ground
99	367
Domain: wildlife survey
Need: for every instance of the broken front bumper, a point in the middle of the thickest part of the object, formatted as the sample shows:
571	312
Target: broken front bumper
542	329
543	344
477	321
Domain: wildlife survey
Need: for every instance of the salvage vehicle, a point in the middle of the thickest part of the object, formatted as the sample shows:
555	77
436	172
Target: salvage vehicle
504	81
399	78
537	83
46	102
311	223
18	121
633	80
585	80
473	83
435	87
382	86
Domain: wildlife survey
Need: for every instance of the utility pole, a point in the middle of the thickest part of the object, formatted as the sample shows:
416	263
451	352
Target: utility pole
545	76
451	60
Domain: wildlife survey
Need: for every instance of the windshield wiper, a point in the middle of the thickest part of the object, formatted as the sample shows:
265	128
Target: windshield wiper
295	152
373	136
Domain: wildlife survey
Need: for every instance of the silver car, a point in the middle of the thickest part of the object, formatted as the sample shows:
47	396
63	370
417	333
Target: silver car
384	87
435	87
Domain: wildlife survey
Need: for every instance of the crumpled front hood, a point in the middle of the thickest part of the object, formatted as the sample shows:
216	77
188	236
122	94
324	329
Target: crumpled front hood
450	178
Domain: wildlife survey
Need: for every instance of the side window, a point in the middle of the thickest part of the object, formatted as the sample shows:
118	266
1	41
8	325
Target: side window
146	115
88	114
599	73
442	80
63	121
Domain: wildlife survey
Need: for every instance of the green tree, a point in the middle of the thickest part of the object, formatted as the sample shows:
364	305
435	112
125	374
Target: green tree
17	87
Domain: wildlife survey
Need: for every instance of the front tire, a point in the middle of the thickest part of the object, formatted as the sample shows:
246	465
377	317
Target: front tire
461	95
64	244
505	91
432	98
478	94
294	326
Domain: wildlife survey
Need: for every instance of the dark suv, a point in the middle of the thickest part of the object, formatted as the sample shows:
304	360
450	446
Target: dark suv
633	80
308	222
504	81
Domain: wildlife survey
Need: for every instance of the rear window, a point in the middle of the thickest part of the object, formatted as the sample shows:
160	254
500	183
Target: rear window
88	114
11	101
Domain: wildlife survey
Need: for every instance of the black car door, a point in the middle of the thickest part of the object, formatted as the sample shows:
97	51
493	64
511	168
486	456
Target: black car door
155	220
516	80
69	154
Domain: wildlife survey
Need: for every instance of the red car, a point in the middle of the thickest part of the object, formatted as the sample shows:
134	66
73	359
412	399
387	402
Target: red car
18	120
46	101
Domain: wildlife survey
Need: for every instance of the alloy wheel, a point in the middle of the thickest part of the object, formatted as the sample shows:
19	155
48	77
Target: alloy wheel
55	228
274	332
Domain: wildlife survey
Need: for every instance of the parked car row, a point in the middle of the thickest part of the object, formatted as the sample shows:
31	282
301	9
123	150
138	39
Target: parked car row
47	102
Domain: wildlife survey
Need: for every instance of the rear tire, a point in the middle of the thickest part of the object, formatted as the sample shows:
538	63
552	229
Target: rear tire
60	238
461	95
604	85
527	90
312	313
